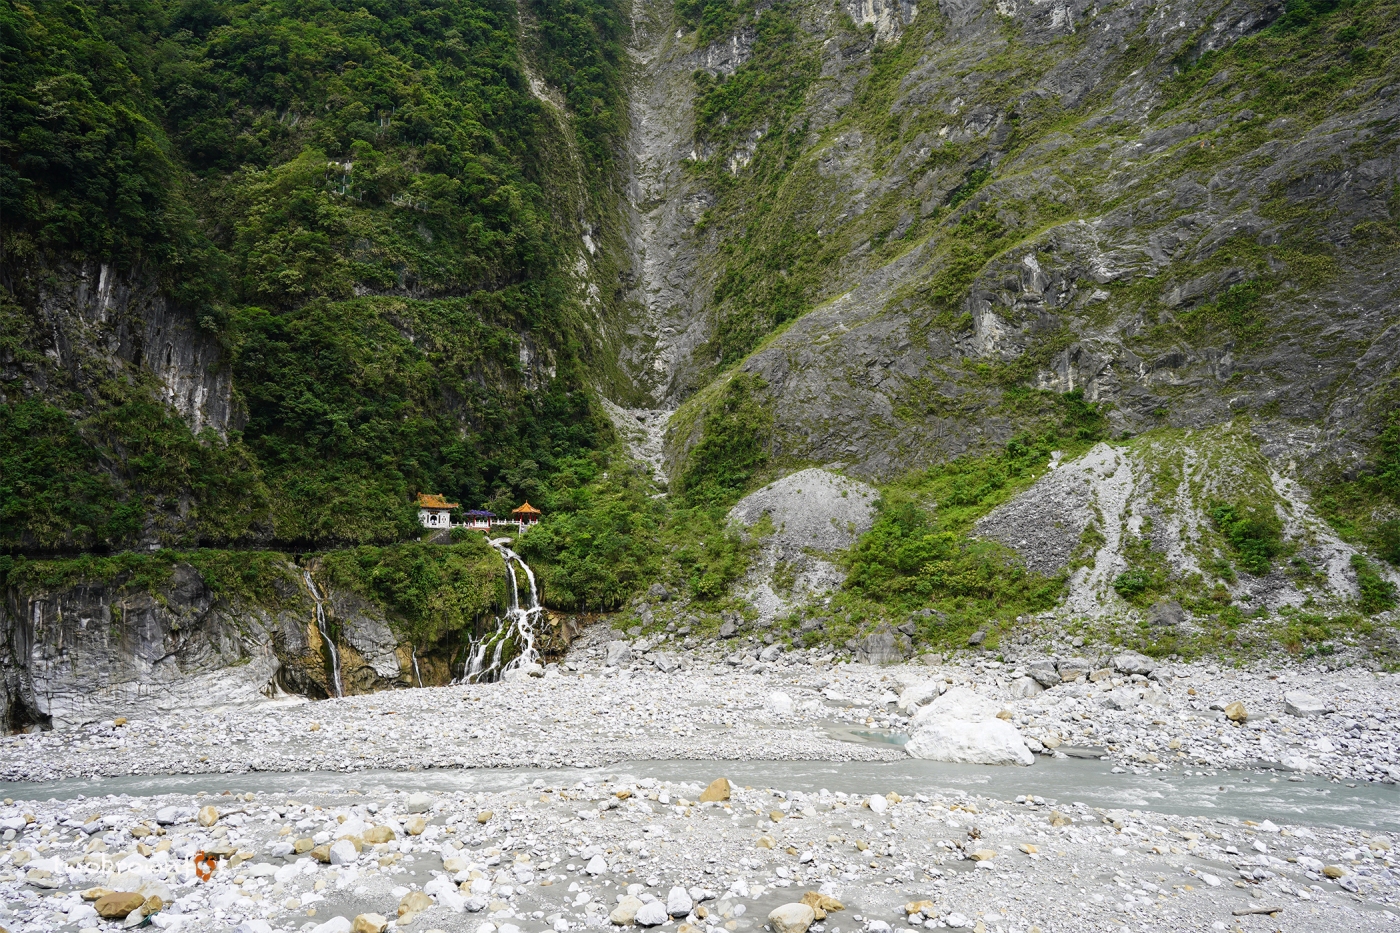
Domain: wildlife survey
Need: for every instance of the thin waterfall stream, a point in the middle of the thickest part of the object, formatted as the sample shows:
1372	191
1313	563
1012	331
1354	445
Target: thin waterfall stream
511	643
324	628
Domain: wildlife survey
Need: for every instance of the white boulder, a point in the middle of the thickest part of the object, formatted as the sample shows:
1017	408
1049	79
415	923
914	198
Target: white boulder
678	902
652	914
343	853
963	727
916	695
1025	687
1305	705
989	742
958	703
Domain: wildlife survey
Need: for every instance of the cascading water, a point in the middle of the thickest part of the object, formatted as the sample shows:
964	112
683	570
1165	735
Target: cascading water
324	629
512	642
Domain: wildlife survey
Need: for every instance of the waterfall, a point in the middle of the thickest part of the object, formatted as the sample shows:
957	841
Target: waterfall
512	642
324	629
416	672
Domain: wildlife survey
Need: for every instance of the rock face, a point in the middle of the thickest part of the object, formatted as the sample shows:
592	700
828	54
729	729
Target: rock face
858	377
883	646
811	513
962	726
1134	495
363	625
1109	293
93	650
94	311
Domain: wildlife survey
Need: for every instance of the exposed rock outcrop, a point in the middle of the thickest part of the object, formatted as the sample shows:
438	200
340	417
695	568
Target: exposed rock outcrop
800	523
95	649
92	320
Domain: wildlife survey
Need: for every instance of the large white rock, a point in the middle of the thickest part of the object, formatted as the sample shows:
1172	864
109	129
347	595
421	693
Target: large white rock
678	902
780	703
916	695
1025	687
351	827
1298	703
652	914
962	726
618	652
958	703
989	742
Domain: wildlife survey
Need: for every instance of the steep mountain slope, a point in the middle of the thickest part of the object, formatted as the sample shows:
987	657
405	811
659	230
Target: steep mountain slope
1189	214
269	269
1099	298
891	239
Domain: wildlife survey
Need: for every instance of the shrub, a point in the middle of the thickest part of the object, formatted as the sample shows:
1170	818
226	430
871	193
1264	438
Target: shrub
1254	533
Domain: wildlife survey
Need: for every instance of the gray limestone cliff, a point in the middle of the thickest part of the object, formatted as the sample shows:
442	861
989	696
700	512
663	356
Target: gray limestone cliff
89	650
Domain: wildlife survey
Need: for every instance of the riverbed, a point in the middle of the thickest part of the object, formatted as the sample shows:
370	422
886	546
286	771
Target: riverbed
537	804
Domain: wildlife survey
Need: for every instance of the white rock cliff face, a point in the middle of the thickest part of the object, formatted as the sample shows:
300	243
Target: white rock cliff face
92	651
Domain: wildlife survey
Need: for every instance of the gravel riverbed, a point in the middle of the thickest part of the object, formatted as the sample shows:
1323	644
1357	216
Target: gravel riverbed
558	853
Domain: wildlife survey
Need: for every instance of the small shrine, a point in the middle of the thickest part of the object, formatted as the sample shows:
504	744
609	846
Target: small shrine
526	515
477	518
435	511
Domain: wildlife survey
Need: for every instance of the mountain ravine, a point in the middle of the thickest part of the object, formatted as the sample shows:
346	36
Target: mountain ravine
885	327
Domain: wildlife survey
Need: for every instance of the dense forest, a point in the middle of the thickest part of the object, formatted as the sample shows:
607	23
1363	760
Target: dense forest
360	205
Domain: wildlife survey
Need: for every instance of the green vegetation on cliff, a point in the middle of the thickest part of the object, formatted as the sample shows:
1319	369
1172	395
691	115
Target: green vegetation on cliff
429	593
920	553
266	162
1365	507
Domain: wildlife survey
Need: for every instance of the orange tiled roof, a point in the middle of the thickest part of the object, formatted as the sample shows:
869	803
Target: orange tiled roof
428	500
527	509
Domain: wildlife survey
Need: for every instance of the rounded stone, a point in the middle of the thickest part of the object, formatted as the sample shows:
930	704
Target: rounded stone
118	905
792	918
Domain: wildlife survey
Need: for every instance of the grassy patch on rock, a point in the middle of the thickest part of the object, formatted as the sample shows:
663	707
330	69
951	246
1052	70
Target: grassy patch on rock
920	553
